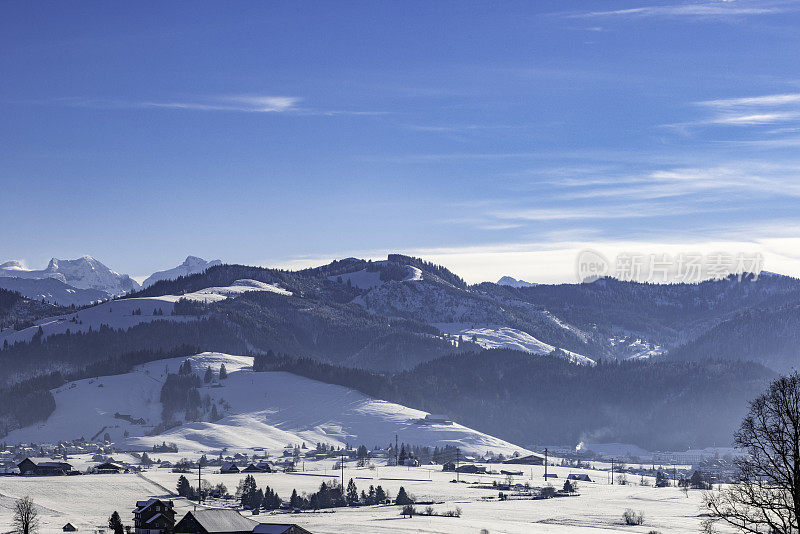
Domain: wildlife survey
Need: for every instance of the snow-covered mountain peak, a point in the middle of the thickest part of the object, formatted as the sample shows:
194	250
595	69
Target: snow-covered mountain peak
191	265
13	265
82	273
513	282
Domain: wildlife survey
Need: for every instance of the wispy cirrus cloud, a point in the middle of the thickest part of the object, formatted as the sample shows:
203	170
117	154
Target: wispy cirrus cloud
751	101
246	103
706	9
745	111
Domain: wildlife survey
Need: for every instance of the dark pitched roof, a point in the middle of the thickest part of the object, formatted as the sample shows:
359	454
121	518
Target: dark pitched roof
143	505
279	528
222	520
46	462
272	528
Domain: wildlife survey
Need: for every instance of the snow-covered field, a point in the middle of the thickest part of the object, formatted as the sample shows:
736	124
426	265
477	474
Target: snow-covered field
496	337
88	500
268	409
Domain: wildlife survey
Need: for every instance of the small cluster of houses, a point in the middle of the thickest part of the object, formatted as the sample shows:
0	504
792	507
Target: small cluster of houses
10	456
156	516
33	466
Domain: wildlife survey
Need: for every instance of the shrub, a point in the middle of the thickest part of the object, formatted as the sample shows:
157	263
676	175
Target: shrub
633	518
408	510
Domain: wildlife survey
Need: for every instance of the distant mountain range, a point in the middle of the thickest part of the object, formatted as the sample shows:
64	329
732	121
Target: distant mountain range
398	316
85	273
84	280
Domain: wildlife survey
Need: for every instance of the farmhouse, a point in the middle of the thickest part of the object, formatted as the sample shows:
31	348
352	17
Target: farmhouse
229	521
216	521
471	469
252	468
228	468
43	466
531	459
579	476
153	516
69	527
110	467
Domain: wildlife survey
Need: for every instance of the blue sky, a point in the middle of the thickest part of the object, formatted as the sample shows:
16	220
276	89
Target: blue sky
493	138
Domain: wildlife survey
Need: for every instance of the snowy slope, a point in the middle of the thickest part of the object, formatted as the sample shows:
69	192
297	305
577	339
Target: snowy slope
495	337
362	279
191	265
119	314
82	273
52	290
215	294
267	409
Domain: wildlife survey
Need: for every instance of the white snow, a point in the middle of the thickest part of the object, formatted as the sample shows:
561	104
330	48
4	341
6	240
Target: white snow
215	294
362	279
83	273
495	337
267	409
87	501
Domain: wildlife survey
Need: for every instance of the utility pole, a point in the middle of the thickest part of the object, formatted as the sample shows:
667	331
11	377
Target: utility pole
457	455
199	495
395	449
545	464
342	466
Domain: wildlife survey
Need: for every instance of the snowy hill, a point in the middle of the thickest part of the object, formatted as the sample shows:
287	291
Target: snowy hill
82	273
125	313
503	337
267	409
52	290
191	265
513	282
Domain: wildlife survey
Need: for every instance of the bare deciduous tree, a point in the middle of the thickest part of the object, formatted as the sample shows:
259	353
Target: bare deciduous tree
766	495
26	518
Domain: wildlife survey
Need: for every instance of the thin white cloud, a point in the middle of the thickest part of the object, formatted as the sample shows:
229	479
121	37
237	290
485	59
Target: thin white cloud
716	9
230	103
750	101
756	118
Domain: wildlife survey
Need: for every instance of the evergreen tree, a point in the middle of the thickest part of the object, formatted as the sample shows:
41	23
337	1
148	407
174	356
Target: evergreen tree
184	489
294	500
209	376
223	373
115	523
380	495
402	497
352	493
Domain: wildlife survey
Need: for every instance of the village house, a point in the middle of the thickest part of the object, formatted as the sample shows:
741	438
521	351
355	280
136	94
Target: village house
110	467
531	459
228	468
43	467
153	516
229	521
